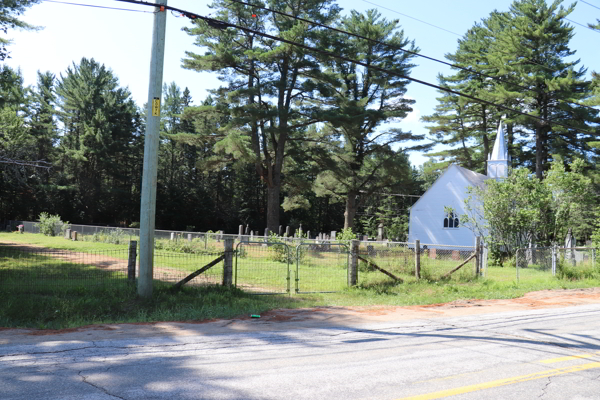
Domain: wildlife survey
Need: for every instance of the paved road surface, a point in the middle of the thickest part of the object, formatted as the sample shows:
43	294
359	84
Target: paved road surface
549	353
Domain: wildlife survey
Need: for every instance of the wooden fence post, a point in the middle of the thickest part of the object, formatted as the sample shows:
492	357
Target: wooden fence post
131	262
228	263
353	265
418	259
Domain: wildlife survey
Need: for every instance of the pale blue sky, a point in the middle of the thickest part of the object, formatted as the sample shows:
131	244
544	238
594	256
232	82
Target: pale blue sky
121	40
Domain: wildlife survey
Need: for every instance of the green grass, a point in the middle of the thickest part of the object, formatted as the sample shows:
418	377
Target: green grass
72	301
58	242
85	305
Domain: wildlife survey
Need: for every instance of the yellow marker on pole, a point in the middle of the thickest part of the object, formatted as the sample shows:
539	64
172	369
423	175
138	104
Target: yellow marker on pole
156	107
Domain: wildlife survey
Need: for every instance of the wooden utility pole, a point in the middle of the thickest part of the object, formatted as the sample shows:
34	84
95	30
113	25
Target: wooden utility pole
148	201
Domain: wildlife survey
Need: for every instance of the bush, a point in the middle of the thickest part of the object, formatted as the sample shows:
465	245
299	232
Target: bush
283	253
116	236
51	225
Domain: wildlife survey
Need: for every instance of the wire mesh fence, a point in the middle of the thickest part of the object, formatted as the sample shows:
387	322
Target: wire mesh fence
321	267
39	270
173	267
394	257
31	269
569	263
438	260
263	268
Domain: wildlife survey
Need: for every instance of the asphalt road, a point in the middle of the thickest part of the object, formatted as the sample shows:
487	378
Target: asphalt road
321	354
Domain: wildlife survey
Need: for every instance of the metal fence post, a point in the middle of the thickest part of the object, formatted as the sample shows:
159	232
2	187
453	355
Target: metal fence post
418	259
353	267
517	263
553	260
228	263
477	256
131	262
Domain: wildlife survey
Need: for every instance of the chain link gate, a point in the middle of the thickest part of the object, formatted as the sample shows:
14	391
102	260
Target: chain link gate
321	268
263	268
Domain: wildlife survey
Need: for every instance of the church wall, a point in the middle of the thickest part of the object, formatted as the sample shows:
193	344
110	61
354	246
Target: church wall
427	214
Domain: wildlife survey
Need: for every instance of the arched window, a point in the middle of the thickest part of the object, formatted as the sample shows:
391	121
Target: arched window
451	221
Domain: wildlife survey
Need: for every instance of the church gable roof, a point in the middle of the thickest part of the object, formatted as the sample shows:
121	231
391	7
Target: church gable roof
472	177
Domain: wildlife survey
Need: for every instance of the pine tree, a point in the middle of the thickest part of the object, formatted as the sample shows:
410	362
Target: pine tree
356	158
100	123
43	125
533	50
265	81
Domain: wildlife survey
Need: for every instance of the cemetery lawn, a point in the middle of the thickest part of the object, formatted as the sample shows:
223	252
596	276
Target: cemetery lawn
78	304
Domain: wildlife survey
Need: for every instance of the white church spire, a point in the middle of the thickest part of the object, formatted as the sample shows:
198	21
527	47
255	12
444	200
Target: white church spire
497	165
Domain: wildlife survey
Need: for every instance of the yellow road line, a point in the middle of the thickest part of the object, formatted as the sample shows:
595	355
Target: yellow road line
568	358
503	382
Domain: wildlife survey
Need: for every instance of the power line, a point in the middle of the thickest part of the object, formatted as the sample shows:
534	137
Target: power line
416	19
590	4
94	6
500	79
224	25
585	26
530	61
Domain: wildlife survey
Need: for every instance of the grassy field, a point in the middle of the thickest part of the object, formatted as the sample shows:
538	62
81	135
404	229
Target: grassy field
71	299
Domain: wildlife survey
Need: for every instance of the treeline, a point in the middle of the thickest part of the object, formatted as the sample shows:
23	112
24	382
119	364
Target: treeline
294	136
88	135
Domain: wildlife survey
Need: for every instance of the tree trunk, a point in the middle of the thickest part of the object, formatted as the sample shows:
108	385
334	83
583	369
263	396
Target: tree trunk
351	207
539	167
273	207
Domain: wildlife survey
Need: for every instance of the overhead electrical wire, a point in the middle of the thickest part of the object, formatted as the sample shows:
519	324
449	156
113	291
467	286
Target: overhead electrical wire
499	79
589	4
585	26
224	25
94	6
416	19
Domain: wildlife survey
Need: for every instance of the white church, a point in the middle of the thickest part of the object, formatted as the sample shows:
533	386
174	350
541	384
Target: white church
429	221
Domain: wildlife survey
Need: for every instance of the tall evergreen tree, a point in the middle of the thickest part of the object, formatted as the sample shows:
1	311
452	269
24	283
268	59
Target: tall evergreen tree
43	125
533	50
525	54
100	123
265	81
357	159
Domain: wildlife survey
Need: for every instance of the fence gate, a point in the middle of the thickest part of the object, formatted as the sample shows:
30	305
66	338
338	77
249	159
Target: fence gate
321	268
262	268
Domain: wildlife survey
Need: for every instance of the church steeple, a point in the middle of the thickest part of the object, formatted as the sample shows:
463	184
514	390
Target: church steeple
497	164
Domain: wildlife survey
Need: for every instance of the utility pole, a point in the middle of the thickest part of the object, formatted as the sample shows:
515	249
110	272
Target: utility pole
148	201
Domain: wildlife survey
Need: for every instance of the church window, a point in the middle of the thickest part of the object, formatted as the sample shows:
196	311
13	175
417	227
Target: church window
450	220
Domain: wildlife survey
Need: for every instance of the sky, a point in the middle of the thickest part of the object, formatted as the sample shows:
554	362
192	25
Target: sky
121	40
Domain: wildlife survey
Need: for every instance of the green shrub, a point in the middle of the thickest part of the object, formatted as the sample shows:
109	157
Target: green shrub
51	225
116	236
